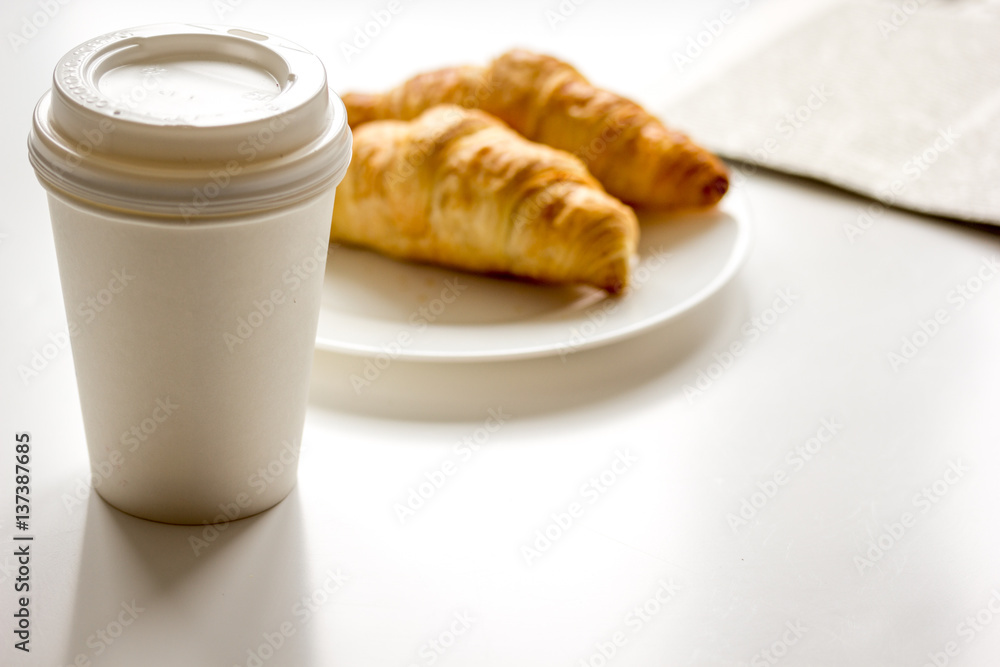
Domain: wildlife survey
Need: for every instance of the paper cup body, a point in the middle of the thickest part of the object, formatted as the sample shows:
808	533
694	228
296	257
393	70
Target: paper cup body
192	238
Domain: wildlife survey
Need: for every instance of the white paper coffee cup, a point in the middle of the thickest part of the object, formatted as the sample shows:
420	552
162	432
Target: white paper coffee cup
191	173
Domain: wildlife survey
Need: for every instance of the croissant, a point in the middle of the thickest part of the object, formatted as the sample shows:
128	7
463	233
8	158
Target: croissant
459	188
630	151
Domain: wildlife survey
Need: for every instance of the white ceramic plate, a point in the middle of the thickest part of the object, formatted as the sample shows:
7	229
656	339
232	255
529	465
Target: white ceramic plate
376	306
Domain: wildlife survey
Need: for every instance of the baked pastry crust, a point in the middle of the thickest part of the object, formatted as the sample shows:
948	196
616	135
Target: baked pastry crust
457	187
628	150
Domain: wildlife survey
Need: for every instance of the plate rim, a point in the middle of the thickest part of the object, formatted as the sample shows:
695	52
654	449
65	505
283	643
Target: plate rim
738	255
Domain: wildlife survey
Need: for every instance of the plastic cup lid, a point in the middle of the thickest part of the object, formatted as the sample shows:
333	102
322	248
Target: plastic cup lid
189	121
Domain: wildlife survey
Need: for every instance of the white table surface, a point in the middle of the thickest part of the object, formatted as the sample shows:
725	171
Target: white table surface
786	582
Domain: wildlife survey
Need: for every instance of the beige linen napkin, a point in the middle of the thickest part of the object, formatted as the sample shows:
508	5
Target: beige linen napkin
898	101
